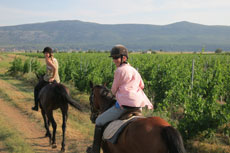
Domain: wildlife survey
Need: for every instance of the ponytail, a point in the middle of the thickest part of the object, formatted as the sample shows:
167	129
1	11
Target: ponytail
51	56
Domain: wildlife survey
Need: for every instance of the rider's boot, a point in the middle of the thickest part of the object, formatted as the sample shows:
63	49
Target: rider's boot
97	140
35	108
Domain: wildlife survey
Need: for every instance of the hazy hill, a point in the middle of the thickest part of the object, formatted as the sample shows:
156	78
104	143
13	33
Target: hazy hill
180	36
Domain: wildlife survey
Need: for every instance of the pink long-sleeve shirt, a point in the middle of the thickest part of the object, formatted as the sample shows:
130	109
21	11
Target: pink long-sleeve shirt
128	87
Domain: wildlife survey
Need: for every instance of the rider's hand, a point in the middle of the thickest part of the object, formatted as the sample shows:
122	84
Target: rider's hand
51	79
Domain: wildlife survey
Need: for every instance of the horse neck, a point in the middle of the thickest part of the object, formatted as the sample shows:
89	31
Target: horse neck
41	78
107	103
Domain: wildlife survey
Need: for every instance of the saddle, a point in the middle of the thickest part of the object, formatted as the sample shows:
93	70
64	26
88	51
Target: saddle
131	111
114	128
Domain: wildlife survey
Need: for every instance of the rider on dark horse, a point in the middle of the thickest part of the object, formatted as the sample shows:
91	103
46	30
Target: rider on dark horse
127	87
51	75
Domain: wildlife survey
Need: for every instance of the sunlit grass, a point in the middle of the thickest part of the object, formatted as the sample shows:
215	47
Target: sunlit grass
12	140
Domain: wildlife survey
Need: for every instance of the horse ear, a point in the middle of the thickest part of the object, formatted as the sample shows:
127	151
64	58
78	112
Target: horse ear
37	75
91	84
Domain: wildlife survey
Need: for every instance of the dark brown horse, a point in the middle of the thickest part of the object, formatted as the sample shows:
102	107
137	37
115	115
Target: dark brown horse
143	135
52	97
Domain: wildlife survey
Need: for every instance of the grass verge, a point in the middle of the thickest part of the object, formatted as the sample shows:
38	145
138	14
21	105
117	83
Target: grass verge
12	140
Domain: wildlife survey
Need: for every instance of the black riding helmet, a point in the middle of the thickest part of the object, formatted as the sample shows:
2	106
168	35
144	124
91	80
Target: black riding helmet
47	50
119	51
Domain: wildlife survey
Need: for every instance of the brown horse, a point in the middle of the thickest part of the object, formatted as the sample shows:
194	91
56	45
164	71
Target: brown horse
143	135
52	97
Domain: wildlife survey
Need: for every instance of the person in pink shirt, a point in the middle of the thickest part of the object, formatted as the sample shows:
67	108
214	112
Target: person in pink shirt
127	87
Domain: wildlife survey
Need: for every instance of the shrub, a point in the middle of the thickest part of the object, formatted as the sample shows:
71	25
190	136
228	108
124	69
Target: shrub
16	67
218	50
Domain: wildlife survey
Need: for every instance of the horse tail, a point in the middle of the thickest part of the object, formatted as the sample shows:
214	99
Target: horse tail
61	90
73	102
173	140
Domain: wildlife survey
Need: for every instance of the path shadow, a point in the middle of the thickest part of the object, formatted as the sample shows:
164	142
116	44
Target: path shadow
3	150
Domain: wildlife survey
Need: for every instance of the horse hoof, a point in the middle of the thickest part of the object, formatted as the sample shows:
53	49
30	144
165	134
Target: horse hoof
54	146
89	150
47	135
62	150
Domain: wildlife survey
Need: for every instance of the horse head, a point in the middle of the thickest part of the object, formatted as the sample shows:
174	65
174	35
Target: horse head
39	76
100	99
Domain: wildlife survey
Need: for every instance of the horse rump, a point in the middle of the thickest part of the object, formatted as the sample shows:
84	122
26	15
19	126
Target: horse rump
61	91
173	140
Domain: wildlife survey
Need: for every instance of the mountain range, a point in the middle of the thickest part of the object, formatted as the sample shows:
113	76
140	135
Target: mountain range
79	35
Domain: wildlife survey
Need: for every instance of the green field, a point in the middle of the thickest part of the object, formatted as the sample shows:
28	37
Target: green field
191	91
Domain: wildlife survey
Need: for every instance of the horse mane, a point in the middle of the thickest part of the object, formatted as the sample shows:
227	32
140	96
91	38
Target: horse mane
108	97
109	104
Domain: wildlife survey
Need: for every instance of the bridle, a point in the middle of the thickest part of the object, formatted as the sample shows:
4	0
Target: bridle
94	112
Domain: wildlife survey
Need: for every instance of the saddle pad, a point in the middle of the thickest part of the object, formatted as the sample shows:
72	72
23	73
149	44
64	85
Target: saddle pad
115	128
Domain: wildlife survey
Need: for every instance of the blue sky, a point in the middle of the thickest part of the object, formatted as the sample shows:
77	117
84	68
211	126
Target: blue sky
157	12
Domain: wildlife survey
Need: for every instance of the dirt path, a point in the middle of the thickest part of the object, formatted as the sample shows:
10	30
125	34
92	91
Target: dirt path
15	106
30	130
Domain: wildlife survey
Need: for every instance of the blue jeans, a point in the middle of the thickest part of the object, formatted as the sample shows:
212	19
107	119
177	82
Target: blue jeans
111	114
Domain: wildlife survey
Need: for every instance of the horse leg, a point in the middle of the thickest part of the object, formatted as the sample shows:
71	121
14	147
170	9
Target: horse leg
46	124
64	119
54	125
48	128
